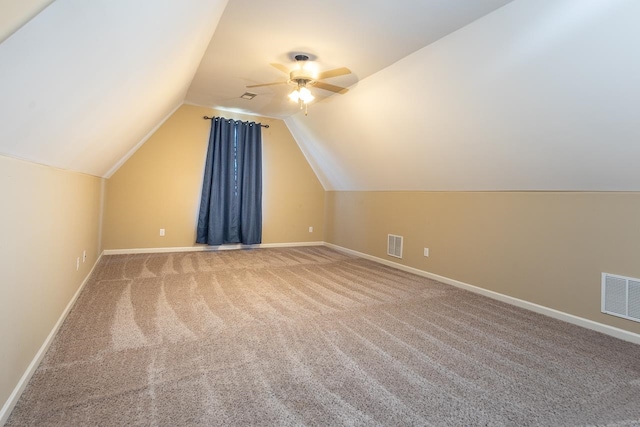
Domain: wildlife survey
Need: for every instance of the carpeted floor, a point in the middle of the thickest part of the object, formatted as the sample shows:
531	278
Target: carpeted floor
310	336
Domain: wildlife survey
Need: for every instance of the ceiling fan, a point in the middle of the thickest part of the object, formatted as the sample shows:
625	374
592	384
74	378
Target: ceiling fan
303	76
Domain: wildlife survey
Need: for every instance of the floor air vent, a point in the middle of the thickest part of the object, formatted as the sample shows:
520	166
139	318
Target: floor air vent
394	246
621	296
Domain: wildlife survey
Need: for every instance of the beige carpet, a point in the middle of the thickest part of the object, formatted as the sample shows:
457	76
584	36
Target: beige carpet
310	336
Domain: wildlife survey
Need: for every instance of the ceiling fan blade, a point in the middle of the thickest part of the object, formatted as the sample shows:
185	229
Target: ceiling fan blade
280	67
334	73
332	88
268	84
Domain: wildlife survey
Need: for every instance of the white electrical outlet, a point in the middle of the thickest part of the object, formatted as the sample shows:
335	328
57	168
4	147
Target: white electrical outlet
77	263
162	232
426	252
84	255
310	229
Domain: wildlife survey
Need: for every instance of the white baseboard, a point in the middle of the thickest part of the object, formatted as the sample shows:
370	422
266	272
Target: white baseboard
556	314
204	248
17	391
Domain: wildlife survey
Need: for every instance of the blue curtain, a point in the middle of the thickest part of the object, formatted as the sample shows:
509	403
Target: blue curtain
231	202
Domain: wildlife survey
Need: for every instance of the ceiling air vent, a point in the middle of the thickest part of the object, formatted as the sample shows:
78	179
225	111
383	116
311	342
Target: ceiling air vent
248	95
621	296
394	246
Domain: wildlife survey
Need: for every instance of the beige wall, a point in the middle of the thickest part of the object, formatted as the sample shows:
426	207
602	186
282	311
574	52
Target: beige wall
49	217
159	186
546	248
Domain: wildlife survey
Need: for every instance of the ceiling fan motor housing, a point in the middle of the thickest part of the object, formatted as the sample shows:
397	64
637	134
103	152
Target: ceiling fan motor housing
301	76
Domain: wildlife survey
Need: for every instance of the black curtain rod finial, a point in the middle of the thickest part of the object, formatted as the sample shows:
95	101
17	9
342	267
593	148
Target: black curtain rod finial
211	118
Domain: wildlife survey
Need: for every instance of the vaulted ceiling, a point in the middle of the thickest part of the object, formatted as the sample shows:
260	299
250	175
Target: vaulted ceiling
362	35
539	95
443	95
83	83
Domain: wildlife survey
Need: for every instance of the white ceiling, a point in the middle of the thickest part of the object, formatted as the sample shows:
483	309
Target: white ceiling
539	95
534	95
84	82
14	14
362	35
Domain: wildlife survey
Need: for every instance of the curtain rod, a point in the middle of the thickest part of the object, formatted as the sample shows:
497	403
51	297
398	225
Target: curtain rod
259	124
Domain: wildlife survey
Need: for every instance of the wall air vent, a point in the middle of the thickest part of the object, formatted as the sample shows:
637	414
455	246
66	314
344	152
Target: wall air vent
621	296
394	246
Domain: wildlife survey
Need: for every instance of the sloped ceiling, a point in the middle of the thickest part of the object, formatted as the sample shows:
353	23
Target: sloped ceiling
14	14
362	35
84	82
538	95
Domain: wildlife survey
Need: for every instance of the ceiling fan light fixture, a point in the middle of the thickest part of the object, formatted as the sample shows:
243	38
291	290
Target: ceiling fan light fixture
306	74
294	96
305	95
301	95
